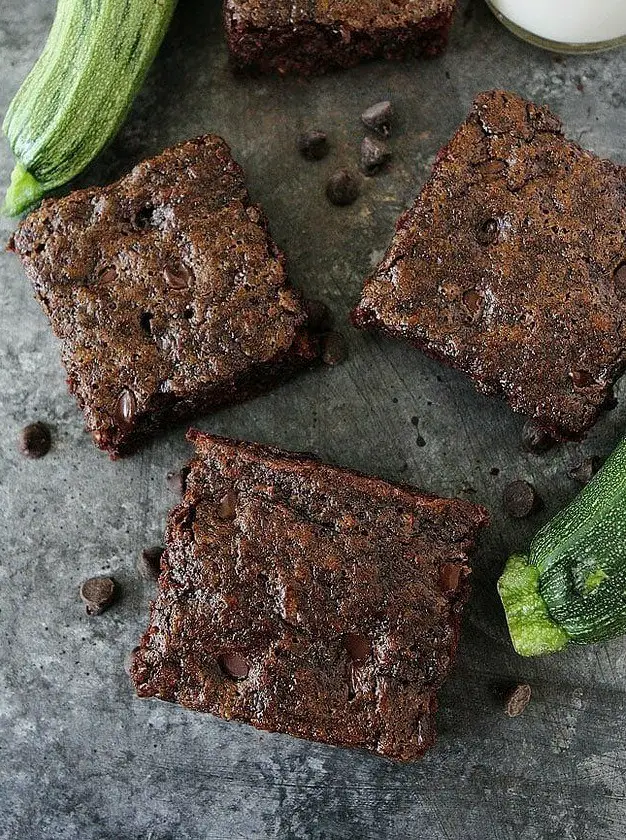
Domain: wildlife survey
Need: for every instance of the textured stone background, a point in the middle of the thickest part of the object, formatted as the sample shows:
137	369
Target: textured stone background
80	757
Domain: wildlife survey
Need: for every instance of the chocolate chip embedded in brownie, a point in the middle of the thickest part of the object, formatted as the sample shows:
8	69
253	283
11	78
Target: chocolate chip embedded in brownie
318	35
511	266
167	292
307	599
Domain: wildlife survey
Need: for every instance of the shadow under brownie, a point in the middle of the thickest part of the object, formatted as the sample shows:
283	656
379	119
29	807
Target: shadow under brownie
167	292
307	599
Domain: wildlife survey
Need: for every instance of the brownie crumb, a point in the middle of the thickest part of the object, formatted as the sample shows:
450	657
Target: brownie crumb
333	348
378	118
374	155
97	593
520	499
149	563
35	440
584	470
535	439
343	188
313	145
517	700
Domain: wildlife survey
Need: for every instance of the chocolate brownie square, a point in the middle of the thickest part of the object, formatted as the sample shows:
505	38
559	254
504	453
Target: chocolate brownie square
307	599
167	292
511	266
318	35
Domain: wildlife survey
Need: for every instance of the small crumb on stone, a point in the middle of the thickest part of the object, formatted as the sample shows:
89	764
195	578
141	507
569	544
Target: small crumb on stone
97	593
35	440
517	700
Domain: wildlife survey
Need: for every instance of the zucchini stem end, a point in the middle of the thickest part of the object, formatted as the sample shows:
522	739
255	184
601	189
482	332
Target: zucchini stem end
24	191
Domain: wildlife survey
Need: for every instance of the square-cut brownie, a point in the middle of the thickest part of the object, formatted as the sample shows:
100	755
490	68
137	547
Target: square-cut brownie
318	35
167	292
511	266
306	599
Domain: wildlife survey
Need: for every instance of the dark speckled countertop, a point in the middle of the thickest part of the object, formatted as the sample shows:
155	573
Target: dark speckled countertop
80	757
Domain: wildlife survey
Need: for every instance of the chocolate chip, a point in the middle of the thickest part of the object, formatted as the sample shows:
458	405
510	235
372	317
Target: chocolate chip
487	231
149	563
378	117
97	593
520	499
313	145
333	349
145	322
35	440
125	408
582	379
472	301
374	155
107	274
177	278
491	169
358	647
619	281
142	219
227	507
234	665
494	471
517	699
584	470
449	576
342	188
320	318
535	439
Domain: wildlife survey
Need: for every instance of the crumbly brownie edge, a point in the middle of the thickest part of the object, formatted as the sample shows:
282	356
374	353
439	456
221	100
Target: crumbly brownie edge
312	49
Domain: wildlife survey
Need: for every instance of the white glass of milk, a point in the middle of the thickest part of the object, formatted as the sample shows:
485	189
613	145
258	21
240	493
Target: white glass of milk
565	25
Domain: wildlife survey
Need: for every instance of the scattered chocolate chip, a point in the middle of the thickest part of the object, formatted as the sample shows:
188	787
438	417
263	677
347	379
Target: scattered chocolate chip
535	439
342	188
495	471
313	145
487	232
449	576
149	563
584	470
378	118
520	499
619	281
472	300
319	315
177	278
125	407
333	349
234	665
97	593
517	699
357	647
227	507
35	440
374	155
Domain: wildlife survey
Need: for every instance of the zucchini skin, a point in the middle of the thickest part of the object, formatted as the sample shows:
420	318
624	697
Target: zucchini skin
579	559
80	90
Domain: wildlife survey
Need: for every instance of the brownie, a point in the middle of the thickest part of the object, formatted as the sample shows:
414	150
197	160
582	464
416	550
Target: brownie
318	35
167	292
511	266
307	599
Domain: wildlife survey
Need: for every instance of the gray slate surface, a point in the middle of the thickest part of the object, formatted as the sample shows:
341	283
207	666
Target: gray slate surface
81	758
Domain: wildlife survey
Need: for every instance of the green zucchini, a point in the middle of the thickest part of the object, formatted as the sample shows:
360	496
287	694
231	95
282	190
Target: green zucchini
81	88
571	587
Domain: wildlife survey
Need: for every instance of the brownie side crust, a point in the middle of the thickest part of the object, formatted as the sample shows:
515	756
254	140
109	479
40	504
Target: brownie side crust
167	293
314	37
511	266
307	599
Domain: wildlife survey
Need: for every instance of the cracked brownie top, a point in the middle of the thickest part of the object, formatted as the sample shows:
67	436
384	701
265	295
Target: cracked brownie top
511	266
307	599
